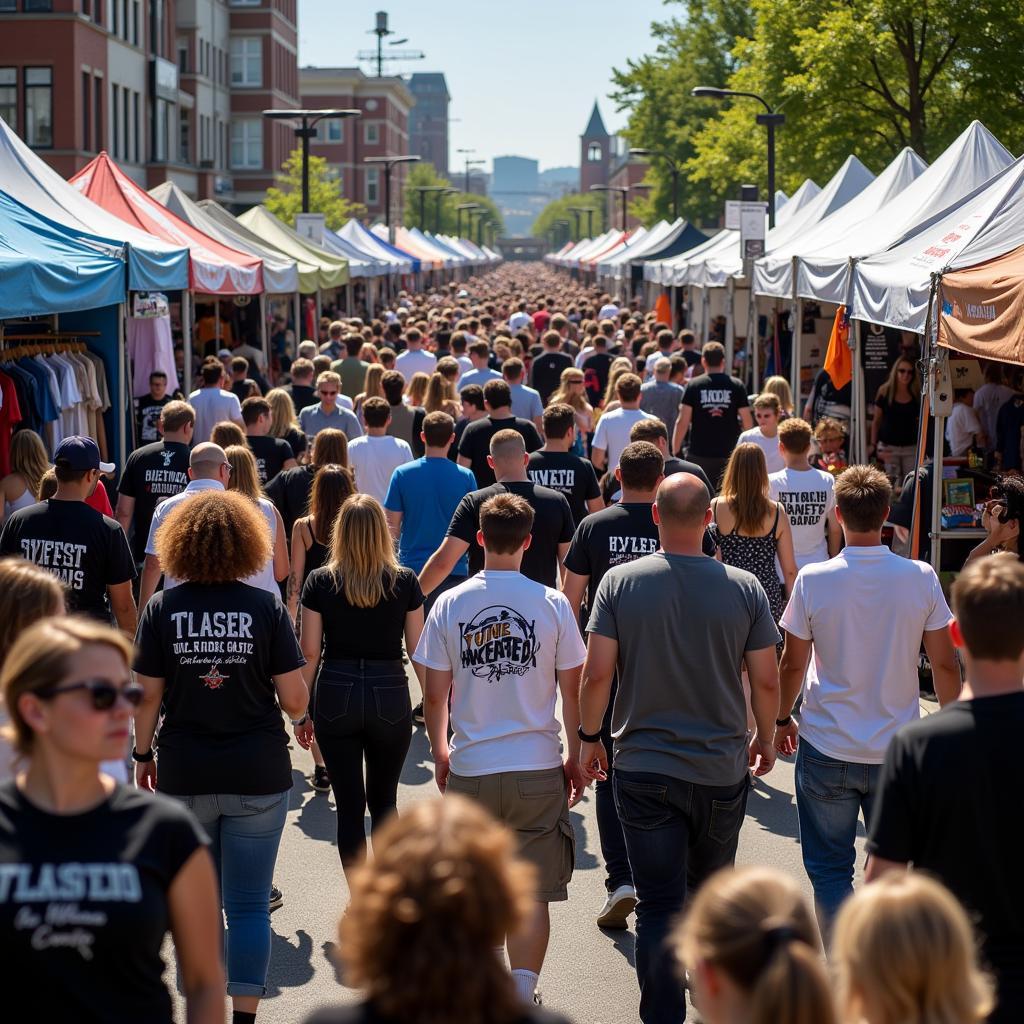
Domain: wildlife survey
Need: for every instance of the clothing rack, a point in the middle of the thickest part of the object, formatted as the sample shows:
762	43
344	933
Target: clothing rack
61	341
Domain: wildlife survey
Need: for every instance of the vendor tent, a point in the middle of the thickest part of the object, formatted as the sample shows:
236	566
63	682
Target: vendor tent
458	259
377	248
682	238
430	258
797	201
634	237
49	269
611	265
153	264
670	272
331	271
280	273
214	268
588	246
359	264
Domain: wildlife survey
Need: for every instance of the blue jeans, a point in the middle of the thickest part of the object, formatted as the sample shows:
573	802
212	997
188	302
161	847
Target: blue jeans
677	834
830	796
245	832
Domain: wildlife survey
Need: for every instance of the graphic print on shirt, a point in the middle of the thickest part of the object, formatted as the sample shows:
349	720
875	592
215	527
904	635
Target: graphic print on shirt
630	548
804	508
563	480
59	557
165	480
715	401
499	642
62	923
212	639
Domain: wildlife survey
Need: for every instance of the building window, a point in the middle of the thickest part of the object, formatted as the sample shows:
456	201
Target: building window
371	133
156	27
86	111
136	127
39	107
247	143
184	139
372	186
594	152
161	119
9	96
38	5
183	58
97	112
244	3
247	60
135	22
8	5
330	130
115	118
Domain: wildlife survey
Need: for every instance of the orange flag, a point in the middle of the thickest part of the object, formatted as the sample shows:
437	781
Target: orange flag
662	309
838	362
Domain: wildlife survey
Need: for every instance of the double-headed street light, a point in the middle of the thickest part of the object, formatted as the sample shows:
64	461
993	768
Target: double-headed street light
674	169
423	190
771	119
469	207
589	211
623	192
438	199
388	162
306	131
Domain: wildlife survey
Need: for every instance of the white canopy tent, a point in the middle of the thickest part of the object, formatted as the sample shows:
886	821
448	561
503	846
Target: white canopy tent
612	265
797	201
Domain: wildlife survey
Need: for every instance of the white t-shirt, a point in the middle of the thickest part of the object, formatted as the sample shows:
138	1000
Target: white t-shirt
612	434
503	637
769	445
808	496
962	425
866	610
410	362
212	405
608	311
374	459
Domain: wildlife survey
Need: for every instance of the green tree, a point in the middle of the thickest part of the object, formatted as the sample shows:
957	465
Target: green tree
560	209
325	192
424	174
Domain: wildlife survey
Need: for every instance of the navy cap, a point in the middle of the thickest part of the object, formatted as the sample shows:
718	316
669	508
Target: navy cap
81	453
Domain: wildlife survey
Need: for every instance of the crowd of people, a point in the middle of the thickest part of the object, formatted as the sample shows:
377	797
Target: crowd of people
600	562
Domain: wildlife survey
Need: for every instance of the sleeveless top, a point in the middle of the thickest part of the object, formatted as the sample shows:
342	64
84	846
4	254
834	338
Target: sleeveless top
316	553
22	501
757	556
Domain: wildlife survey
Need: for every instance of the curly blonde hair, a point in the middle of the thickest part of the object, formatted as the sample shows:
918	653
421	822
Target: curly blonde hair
444	888
214	537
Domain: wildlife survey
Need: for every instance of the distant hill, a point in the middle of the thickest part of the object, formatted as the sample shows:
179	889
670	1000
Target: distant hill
560	176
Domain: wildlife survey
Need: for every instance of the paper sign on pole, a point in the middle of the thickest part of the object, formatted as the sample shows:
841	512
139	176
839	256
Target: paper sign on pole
311	226
753	227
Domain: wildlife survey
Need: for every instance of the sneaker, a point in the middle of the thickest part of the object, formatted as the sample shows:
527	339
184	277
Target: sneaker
276	897
617	908
321	780
538	1000
417	714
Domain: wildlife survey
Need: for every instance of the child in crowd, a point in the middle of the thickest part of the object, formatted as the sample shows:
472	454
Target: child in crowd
767	410
830	439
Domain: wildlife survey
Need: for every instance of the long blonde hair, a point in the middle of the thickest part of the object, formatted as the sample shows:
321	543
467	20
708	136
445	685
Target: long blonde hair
779	387
244	477
565	395
282	412
372	384
417	388
754	926
362	552
621	365
903	948
745	488
438	396
28	457
888	389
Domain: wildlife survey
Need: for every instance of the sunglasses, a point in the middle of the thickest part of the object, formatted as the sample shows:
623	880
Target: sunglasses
104	693
328	394
905	373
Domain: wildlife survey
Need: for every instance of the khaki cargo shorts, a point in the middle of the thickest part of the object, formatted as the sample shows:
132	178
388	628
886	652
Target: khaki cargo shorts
534	805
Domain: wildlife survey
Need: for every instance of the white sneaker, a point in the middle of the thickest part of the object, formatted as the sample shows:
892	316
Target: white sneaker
617	908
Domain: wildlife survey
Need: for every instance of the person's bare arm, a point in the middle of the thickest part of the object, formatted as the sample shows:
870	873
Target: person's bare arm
574	586
413	629
394	524
441	563
787	558
876	426
681	427
596	689
435	717
746	418
280	550
146	715
538	422
595	504
795	656
310	643
124	511
463	461
193	905
298	567
151	573
569	687
563	550
599	457
763	673
878	866
835	535
292	693
122	604
945	671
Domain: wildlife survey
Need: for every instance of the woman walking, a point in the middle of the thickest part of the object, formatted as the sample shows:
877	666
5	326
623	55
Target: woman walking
895	422
29	464
284	423
572	392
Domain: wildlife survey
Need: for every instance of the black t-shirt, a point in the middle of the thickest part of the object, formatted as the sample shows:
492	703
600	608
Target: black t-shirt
569	475
351	632
216	646
946	803
691	355
152	473
595	374
364	1013
302	395
460	428
147	417
296	440
290	491
674	465
271	453
475	443
552	525
243	389
83	904
825	394
546	373
899	421
86	550
716	399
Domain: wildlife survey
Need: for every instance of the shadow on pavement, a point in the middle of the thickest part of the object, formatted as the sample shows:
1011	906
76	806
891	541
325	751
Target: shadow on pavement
624	941
290	965
585	859
773	809
317	818
418	765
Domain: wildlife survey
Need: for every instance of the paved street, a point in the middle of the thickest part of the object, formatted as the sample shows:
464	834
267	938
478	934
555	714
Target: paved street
588	974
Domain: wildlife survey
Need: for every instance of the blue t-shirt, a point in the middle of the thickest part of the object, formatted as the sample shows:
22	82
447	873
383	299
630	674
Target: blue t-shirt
427	492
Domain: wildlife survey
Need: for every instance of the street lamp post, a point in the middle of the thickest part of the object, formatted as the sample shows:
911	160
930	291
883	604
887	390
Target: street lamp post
422	190
305	132
589	211
469	207
388	162
771	119
574	210
438	198
623	194
674	170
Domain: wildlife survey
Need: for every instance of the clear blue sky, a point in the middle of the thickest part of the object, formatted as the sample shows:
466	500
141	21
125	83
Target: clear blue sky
521	82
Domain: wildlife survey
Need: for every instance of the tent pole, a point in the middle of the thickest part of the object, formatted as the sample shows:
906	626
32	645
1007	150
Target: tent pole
349	304
730	323
264	333
754	342
319	312
796	353
186	337
298	321
122	392
941	359
857	447
216	321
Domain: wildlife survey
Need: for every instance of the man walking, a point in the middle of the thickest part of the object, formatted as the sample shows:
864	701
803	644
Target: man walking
328	412
375	456
474	447
526	403
612	434
681	746
556	467
866	612
546	369
503	646
211	403
272	454
351	369
659	396
479	356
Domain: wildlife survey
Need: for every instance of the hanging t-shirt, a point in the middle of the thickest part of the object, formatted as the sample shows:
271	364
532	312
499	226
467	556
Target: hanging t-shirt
152	473
217	648
83	904
352	632
271	453
503	637
552	526
769	445
716	399
151	347
147	416
808	496
475	444
569	475
85	550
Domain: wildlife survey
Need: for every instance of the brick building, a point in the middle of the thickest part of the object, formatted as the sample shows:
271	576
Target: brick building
382	129
624	173
428	121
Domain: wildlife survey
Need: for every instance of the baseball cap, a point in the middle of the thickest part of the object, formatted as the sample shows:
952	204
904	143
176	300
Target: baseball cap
81	453
225	353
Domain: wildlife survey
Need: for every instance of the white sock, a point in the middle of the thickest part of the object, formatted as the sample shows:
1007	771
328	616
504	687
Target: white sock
526	983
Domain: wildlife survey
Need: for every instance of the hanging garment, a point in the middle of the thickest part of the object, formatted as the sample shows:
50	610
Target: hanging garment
151	348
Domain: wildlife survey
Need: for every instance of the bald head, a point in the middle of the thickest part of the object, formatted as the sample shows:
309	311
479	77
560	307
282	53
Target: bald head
662	367
205	461
682	502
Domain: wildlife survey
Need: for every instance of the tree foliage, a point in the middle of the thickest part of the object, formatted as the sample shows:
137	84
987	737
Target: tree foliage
560	209
852	76
425	175
325	192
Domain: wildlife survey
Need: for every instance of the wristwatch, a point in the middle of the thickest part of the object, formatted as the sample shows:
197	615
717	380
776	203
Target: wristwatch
588	737
781	723
142	758
300	721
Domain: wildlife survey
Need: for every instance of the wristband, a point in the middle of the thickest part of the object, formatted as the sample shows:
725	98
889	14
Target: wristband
781	723
300	721
142	758
588	737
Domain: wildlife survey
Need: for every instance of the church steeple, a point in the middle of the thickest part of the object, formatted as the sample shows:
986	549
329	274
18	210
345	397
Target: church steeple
595	152
595	126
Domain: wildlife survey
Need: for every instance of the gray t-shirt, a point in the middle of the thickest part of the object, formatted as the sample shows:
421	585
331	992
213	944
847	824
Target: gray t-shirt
661	398
683	625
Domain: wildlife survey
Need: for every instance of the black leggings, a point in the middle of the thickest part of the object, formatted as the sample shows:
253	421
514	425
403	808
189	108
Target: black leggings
362	710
